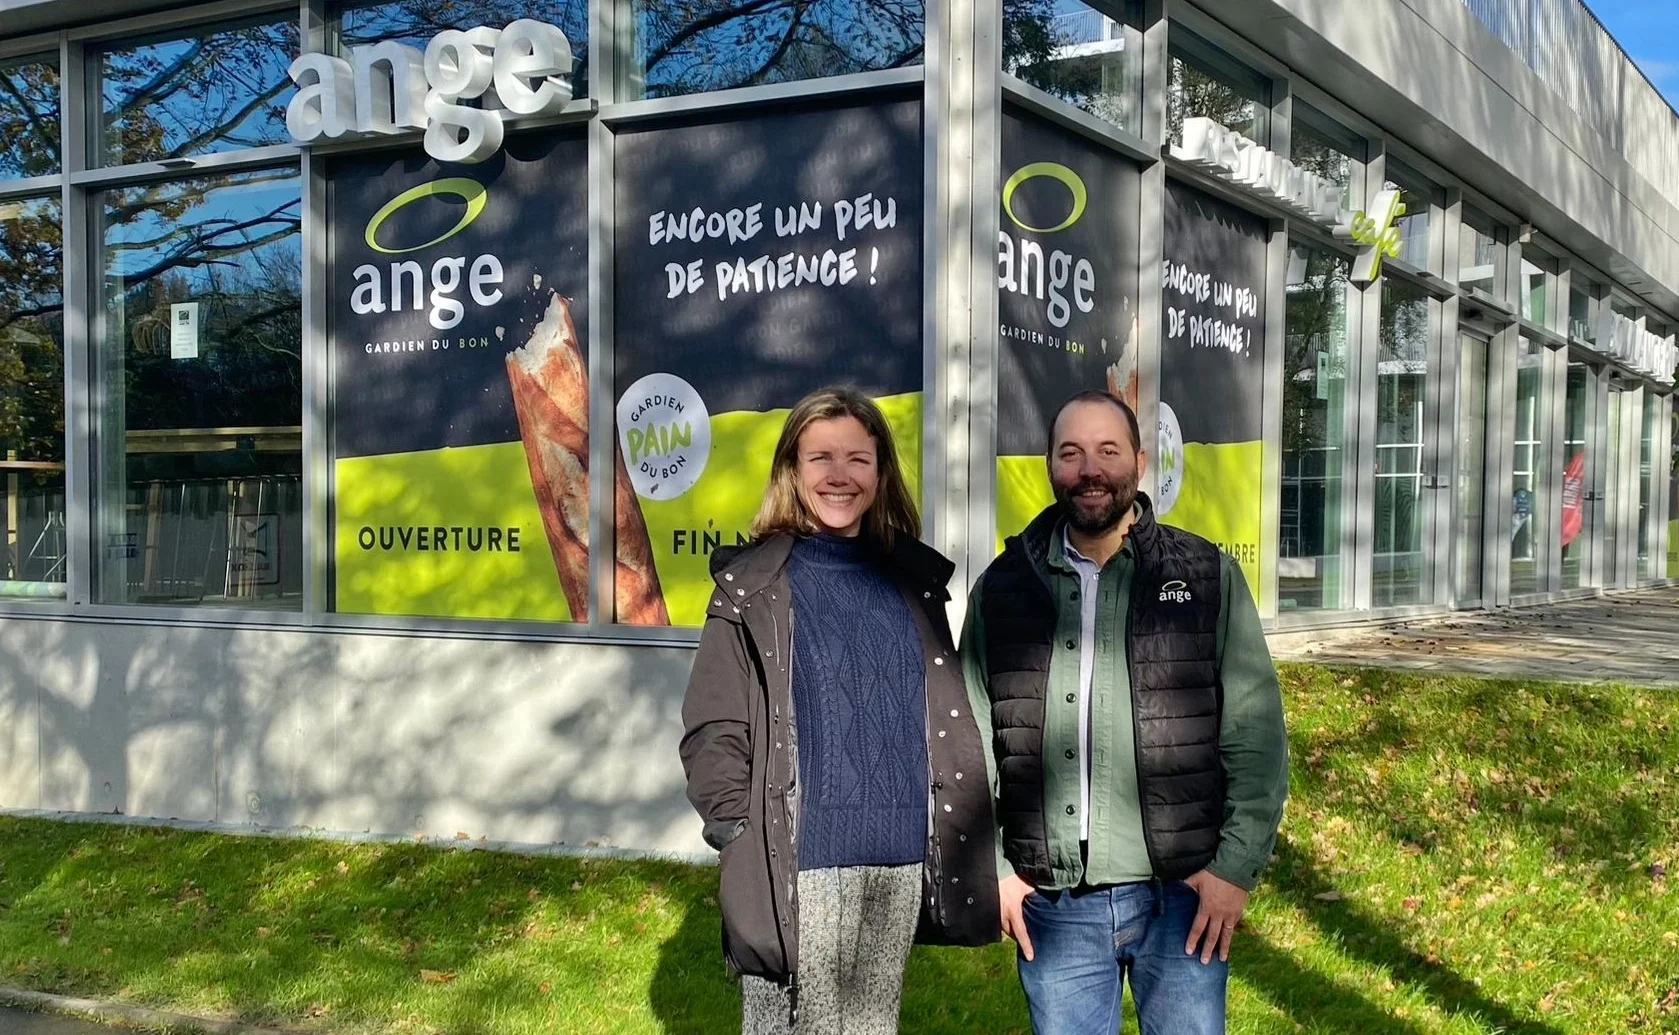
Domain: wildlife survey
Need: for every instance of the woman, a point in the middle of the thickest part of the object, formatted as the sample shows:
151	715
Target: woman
828	743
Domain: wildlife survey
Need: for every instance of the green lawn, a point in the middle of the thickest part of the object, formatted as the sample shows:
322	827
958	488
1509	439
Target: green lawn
1459	856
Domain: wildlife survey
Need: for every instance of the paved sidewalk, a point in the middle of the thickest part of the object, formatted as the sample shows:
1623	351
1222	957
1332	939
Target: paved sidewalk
22	1022
1627	637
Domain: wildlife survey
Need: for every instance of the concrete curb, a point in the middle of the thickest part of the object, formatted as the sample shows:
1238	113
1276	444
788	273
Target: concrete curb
128	1016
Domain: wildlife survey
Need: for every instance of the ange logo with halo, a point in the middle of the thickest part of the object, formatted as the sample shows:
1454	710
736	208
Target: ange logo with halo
1054	171
475	194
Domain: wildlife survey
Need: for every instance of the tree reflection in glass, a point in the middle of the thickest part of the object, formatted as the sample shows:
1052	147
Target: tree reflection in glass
29	119
174	97
1314	431
31	397
695	46
1398	571
415	22
201	490
1194	92
1075	52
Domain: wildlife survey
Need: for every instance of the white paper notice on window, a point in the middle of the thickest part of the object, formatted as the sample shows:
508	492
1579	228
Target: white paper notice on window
183	330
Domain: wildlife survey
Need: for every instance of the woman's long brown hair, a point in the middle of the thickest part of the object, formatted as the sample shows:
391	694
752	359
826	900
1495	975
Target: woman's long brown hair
785	509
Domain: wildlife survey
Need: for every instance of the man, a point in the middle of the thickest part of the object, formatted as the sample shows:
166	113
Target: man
1134	730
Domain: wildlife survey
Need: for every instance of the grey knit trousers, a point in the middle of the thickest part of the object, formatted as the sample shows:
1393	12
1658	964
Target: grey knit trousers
856	924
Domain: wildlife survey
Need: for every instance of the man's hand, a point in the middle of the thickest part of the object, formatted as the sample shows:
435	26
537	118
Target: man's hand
1011	894
1221	909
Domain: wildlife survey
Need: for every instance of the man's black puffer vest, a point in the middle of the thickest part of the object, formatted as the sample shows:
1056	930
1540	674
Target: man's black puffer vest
1172	647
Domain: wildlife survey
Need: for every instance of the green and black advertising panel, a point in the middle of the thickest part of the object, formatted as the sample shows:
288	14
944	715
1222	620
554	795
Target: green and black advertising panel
1208	458
447	285
757	259
1066	296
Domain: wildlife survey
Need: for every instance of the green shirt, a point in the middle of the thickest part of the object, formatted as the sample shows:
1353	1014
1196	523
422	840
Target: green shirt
1253	745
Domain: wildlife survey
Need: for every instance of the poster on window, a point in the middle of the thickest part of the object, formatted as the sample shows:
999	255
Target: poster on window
757	260
1208	456
460	408
1066	296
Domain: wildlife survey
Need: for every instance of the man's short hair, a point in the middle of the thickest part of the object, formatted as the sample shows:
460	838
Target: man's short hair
1097	395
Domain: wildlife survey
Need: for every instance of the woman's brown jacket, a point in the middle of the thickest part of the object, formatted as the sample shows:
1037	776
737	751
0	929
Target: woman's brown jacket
740	751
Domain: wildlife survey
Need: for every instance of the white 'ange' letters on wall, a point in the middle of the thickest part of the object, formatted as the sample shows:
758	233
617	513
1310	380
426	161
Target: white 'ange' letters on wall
388	88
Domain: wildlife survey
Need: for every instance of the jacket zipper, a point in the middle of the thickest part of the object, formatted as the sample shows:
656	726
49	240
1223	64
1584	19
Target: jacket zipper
932	805
787	796
1137	727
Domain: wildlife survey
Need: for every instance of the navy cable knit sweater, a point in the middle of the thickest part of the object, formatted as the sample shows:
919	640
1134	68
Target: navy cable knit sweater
859	701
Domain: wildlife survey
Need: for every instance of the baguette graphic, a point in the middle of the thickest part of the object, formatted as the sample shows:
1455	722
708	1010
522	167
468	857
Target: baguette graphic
551	397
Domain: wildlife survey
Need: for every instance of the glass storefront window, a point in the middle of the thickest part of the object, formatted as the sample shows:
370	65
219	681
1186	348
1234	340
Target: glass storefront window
1419	207
694	46
1577	513
1198	84
1317	148
1647	487
1526	556
199	355
1470	493
1480	257
29	120
1672	407
32	398
1539	281
1399	568
1582	309
1086	57
415	22
1310	568
175	96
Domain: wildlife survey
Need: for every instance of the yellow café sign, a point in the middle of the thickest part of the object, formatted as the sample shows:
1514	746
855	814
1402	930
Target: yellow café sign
1377	230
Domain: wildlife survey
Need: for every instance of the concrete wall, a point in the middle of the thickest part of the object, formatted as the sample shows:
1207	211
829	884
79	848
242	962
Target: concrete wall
1430	73
347	732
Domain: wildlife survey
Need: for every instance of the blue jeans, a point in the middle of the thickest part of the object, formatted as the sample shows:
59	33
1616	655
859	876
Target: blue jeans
1084	943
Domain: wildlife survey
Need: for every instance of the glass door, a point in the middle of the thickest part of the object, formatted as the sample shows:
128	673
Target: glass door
1578	513
1622	404
1527	556
1470	527
1401	570
1647	511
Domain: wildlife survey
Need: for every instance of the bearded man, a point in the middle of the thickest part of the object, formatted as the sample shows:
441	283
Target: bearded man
1135	741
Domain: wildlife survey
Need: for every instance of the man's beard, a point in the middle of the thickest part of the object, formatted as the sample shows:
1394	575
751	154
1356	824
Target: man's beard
1122	496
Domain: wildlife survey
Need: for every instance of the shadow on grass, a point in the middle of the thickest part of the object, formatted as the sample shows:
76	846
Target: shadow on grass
946	991
1561	751
1370	941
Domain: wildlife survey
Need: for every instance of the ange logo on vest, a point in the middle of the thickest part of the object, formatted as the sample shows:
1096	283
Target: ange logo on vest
1175	591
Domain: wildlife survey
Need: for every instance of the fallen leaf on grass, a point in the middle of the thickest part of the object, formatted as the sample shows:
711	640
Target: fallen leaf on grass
1412	904
263	932
1329	896
545	988
437	977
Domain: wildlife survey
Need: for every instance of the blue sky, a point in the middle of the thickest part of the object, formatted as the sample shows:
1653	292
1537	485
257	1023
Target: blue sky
1648	30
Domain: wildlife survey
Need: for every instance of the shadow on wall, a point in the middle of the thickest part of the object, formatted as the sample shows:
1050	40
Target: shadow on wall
435	737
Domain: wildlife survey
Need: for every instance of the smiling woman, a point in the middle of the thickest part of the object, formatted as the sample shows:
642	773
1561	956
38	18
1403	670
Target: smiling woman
836	471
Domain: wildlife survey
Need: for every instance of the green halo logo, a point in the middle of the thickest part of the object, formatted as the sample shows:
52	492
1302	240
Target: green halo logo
470	191
1054	171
